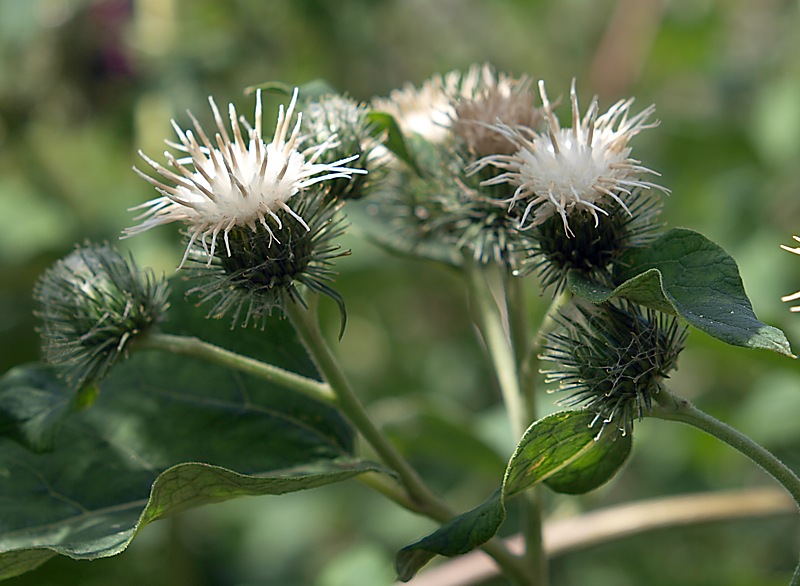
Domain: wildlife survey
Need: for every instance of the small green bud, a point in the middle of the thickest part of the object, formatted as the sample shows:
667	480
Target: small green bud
343	125
93	304
612	359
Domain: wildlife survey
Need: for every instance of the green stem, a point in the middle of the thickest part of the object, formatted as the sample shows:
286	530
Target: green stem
197	348
673	408
419	497
518	328
549	320
504	361
508	353
531	503
307	327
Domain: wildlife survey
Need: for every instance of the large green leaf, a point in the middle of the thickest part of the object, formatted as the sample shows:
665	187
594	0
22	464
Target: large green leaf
564	450
32	406
685	274
166	433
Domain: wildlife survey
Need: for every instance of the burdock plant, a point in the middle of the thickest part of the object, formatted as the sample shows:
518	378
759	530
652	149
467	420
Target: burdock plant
472	168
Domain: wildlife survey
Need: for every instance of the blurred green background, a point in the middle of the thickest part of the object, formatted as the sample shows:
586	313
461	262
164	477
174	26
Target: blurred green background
84	84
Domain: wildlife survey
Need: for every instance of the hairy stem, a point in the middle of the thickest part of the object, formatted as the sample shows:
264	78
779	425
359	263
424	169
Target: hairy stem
307	326
489	320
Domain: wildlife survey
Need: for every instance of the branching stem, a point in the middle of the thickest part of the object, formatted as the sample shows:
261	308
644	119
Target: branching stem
197	348
420	498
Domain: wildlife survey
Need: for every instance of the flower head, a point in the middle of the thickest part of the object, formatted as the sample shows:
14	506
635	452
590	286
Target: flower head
443	211
567	169
93	303
236	182
426	110
486	98
794	296
612	359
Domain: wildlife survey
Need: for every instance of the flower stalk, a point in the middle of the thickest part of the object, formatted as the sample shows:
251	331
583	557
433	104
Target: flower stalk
307	326
420	498
508	352
197	348
673	408
489	321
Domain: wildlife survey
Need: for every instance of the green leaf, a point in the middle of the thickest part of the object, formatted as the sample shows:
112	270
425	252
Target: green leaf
32	406
563	450
685	274
461	535
309	91
165	434
384	123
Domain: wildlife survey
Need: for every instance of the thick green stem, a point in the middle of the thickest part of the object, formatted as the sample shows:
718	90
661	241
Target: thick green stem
549	319
508	352
307	327
504	361
673	408
518	327
419	497
197	348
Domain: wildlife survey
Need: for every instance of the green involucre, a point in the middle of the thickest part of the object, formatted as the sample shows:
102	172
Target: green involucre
92	304
593	250
344	125
612	359
263	272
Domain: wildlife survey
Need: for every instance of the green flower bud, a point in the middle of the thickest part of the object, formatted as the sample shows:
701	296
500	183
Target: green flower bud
93	304
612	359
343	126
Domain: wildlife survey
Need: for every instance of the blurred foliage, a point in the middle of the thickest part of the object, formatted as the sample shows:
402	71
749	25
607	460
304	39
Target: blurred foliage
85	83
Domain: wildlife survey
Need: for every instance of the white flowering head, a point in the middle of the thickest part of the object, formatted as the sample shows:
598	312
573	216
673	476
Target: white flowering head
793	296
236	182
582	168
